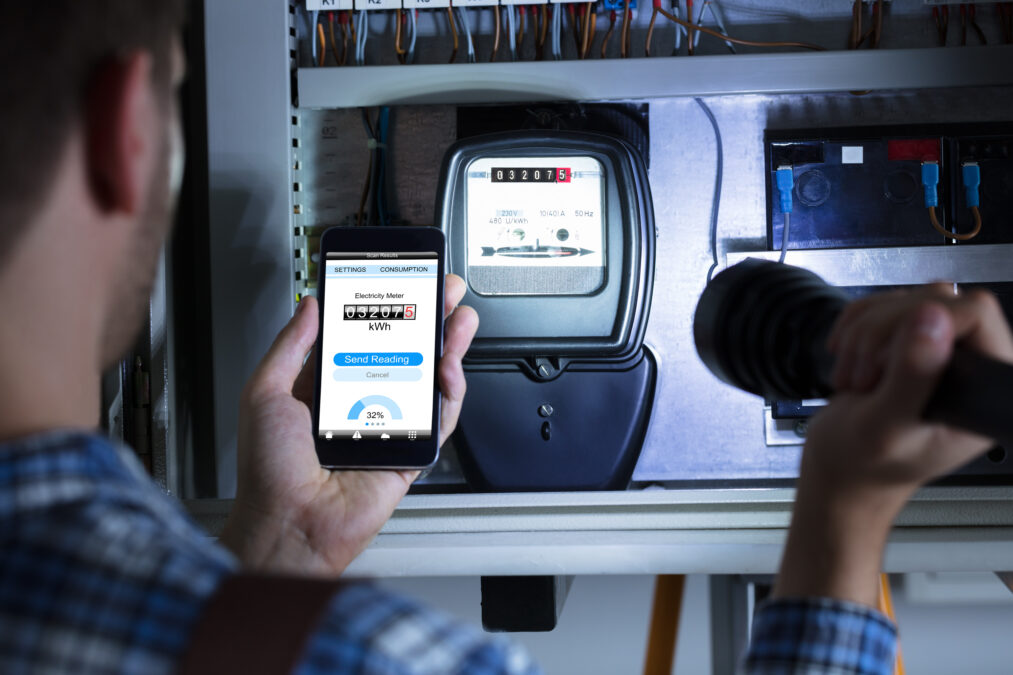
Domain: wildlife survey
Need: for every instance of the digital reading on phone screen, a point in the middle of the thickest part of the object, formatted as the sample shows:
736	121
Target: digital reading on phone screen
378	358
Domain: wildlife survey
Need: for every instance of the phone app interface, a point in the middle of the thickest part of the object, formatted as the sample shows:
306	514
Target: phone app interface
379	334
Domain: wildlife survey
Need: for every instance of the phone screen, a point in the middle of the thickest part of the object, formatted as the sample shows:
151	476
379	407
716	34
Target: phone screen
379	320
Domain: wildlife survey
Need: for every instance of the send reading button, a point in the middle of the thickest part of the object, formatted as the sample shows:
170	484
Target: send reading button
377	359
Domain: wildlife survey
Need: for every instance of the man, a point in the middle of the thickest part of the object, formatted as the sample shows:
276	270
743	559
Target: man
866	455
99	571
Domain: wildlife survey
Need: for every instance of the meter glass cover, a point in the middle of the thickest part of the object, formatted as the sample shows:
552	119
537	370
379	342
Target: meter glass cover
535	225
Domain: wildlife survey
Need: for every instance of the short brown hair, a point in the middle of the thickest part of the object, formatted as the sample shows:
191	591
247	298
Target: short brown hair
49	54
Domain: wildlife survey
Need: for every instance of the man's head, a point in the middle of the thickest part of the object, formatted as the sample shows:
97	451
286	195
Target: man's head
88	131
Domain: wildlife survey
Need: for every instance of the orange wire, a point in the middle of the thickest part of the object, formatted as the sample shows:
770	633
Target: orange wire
323	44
495	39
954	235
650	32
885	603
625	34
397	39
608	33
739	41
453	31
334	39
584	43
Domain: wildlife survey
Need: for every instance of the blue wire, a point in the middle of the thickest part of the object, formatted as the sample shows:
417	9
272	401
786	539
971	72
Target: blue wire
382	129
716	201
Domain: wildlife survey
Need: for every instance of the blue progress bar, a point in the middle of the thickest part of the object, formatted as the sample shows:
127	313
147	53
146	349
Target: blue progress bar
360	405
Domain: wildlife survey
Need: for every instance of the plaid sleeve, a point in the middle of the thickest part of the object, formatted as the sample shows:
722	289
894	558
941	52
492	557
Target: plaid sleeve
370	631
820	636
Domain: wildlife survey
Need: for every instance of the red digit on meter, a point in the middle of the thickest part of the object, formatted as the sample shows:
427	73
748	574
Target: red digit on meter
409	311
562	175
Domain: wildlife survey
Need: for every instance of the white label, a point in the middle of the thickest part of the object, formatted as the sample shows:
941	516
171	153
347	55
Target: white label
427	4
471	3
563	2
535	212
325	5
852	154
961	2
523	2
377	4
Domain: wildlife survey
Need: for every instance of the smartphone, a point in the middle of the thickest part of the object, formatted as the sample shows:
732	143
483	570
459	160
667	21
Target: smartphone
381	336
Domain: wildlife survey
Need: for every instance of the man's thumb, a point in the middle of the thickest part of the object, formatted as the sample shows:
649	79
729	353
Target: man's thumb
284	360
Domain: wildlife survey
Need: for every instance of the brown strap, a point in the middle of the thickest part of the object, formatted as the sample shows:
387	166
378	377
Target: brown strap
256	624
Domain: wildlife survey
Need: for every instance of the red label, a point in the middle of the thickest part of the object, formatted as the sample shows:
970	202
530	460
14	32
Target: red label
562	175
918	150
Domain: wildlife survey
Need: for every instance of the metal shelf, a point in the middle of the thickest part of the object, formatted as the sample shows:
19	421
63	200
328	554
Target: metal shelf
612	79
726	531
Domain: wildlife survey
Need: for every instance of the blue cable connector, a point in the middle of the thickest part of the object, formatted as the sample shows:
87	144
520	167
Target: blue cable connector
930	181
972	179
784	178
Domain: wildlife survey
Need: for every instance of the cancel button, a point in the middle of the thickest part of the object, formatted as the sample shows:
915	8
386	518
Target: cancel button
373	375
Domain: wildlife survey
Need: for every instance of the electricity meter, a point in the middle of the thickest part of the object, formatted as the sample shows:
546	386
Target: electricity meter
553	233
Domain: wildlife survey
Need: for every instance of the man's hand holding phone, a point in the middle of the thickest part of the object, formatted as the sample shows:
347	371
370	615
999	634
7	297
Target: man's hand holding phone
291	515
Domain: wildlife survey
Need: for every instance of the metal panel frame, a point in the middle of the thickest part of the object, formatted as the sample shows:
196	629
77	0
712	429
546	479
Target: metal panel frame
249	164
610	79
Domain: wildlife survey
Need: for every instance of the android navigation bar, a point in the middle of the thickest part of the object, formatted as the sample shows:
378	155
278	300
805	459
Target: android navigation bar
376	435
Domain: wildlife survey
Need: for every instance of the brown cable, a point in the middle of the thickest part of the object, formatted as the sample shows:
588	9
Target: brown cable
664	629
397	39
855	40
344	45
877	10
625	32
323	44
594	25
334	39
453	31
650	32
955	235
608	34
585	41
495	37
543	32
740	41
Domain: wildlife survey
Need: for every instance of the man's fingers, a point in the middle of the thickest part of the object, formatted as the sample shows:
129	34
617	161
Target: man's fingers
281	366
918	354
453	290
459	333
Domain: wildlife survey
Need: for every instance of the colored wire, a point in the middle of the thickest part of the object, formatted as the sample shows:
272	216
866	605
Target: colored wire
586	41
557	33
941	15
397	38
650	32
785	233
594	24
666	609
854	39
954	235
495	39
366	186
739	41
521	12
885	606
413	25
719	19
511	35
690	42
625	31
718	178
362	36
545	31
334	39
608	33
973	12
462	15
315	18
453	32
323	45
679	30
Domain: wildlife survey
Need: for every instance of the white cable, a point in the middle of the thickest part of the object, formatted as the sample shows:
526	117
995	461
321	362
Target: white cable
410	56
557	28
679	30
784	236
719	17
361	36
316	23
462	18
510	29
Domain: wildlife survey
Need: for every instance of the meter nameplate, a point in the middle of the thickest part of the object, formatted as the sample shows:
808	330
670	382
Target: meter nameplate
332	5
535	225
377	4
476	3
429	4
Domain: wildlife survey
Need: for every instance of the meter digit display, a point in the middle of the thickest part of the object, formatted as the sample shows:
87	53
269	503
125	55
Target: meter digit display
535	225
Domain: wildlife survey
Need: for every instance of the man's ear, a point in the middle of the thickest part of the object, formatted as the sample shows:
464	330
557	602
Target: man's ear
118	129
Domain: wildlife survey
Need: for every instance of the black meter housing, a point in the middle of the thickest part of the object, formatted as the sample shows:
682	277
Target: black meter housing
561	272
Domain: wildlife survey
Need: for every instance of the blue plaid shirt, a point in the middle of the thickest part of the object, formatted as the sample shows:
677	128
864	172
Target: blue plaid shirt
101	572
820	636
